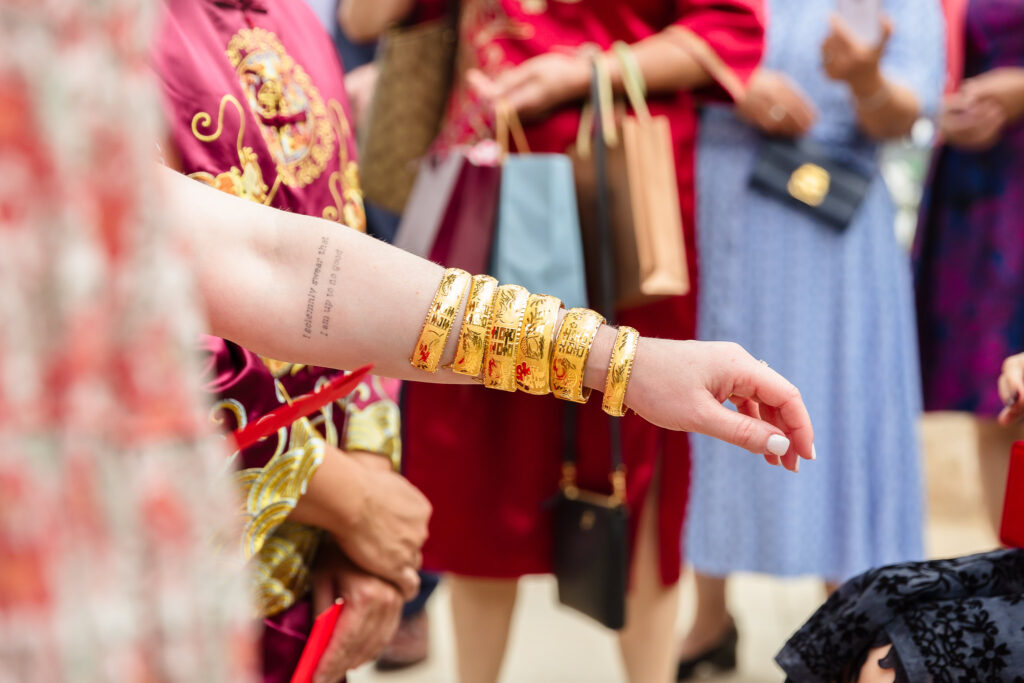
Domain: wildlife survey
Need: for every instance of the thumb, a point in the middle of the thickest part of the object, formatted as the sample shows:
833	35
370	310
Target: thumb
409	583
756	436
886	35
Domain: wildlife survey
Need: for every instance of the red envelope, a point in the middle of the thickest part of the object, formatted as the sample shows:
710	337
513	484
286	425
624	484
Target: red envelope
319	638
1011	531
303	406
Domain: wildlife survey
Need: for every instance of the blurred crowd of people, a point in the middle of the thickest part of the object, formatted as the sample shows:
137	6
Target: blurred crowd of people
776	119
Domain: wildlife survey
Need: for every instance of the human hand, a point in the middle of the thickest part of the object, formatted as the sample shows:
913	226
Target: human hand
535	86
1011	390
359	86
971	124
681	385
373	610
776	105
846	58
1003	86
385	526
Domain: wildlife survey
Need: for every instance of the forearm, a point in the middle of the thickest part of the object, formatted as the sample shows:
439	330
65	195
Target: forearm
366	20
665	65
304	290
884	109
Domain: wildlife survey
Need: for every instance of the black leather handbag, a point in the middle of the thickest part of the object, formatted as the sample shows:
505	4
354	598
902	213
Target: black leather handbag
804	174
591	554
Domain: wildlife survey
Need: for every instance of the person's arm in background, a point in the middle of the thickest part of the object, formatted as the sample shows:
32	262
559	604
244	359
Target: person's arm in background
976	115
898	80
260	272
365	20
732	29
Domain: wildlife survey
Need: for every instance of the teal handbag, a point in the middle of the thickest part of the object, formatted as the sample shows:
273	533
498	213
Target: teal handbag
537	241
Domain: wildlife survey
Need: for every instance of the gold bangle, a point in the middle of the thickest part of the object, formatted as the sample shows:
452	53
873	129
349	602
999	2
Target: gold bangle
533	362
469	352
440	318
572	347
620	367
503	337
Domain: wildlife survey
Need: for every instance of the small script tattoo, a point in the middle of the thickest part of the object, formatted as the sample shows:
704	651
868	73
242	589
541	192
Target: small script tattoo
315	280
332	285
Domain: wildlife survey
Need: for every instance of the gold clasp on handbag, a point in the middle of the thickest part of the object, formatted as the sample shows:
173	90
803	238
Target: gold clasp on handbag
809	184
573	492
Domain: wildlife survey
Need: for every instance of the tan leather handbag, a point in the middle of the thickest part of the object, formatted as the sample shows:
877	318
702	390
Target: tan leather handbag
415	70
642	195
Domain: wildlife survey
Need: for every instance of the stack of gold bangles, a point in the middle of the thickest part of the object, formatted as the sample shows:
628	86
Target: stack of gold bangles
510	342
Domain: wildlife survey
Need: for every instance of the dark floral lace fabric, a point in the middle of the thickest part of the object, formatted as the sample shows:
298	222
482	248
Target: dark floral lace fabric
949	621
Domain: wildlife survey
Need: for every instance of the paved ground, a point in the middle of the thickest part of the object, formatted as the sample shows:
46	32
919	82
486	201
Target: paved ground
551	645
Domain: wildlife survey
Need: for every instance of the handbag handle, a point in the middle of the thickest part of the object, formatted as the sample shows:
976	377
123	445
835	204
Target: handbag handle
507	122
602	102
617	476
632	80
705	55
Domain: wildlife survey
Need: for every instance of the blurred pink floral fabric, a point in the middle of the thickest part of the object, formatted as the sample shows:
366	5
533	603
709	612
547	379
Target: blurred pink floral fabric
118	534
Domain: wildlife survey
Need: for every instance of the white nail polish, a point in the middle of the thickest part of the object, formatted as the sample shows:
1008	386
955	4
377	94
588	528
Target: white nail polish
814	453
778	444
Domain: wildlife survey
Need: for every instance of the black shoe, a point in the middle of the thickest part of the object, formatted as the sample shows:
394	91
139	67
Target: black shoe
721	656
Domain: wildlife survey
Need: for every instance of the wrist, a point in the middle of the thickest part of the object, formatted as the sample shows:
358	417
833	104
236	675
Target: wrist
579	83
596	370
335	496
867	84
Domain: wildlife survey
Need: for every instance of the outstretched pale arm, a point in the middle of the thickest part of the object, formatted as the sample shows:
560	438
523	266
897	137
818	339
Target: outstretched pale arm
297	288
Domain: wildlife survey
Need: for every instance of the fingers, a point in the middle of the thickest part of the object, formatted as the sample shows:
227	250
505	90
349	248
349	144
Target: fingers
324	592
886	34
756	436
799	109
769	388
408	583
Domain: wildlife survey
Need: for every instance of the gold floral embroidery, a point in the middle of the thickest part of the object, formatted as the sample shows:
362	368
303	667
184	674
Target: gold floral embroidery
282	550
344	183
375	429
289	110
244	180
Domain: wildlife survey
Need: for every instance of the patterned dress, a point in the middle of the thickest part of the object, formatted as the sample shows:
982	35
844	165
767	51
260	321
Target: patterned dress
970	263
947	620
113	499
508	447
830	310
255	99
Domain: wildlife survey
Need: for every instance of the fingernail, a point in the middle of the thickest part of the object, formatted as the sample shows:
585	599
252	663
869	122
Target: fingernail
796	466
1013	400
814	452
778	444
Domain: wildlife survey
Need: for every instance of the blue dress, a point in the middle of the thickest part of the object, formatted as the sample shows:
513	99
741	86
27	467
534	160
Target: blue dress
832	311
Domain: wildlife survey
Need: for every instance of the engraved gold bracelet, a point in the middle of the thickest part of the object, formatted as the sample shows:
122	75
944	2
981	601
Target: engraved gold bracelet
572	347
440	318
533	362
503	337
620	367
469	352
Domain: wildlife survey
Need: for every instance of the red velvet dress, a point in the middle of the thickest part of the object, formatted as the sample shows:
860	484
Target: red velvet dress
490	461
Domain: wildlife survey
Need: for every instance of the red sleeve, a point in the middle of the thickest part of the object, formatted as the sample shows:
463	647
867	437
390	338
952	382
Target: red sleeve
733	29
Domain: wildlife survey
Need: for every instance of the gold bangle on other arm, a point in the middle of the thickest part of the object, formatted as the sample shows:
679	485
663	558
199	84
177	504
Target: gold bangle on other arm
469	352
503	337
440	318
572	347
533	362
620	367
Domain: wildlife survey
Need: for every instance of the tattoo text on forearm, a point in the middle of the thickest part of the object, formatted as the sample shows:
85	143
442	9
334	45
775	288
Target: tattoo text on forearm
314	288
